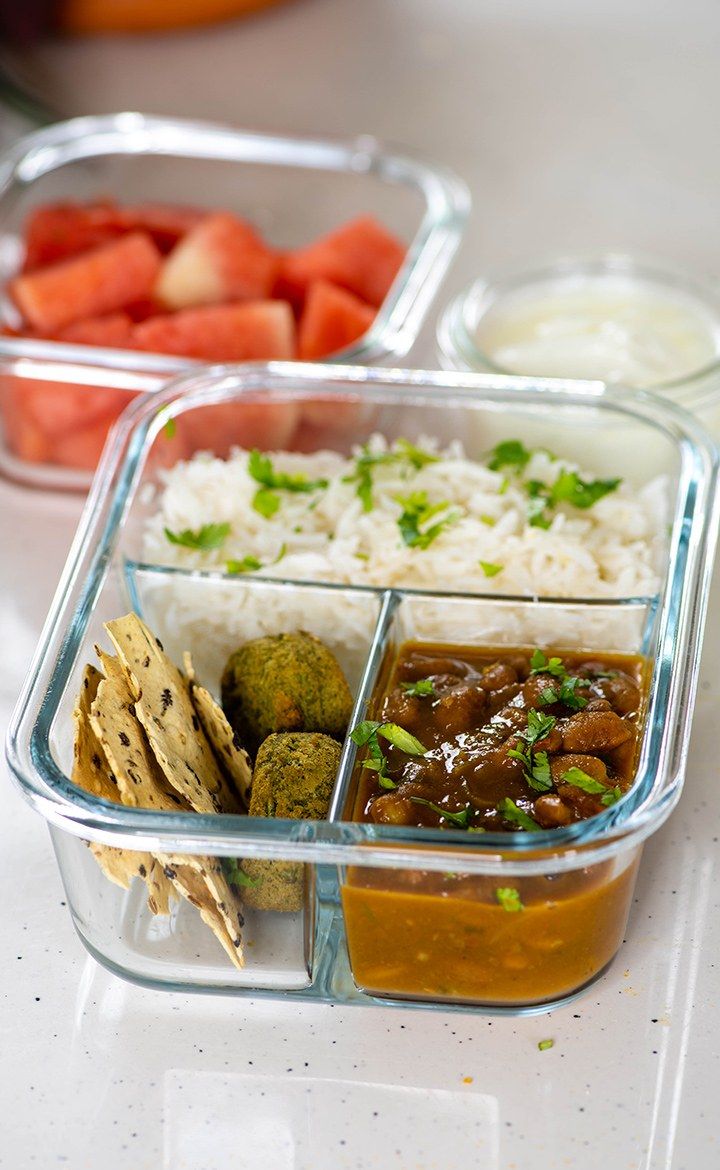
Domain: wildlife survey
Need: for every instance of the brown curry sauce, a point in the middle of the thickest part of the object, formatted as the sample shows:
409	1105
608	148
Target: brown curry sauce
457	936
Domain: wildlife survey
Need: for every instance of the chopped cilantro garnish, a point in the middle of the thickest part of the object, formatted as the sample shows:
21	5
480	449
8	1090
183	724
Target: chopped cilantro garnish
424	686
517	816
203	539
536	765
539	664
511	453
415	455
266	501
458	819
250	564
401	739
246	565
416	514
490	569
385	781
485	518
509	898
571	489
364	731
580	779
543	1045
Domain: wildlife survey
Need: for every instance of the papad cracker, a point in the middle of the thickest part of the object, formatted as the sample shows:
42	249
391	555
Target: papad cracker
90	770
223	740
163	706
140	780
202	882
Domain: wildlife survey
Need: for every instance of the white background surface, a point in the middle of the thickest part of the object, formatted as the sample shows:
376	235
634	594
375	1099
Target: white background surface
579	126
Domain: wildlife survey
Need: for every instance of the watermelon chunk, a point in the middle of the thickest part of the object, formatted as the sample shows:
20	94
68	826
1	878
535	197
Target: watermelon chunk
112	330
58	231
89	285
266	425
222	259
331	320
167	223
361	256
250	331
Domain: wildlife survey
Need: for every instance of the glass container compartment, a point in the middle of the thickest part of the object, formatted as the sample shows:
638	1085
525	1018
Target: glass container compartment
344	866
293	189
619	318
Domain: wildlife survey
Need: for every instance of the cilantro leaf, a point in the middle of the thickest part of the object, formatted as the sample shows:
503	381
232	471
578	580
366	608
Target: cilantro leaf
250	564
424	686
266	502
362	734
541	780
571	489
517	816
568	693
415	455
539	664
401	739
458	819
490	569
203	539
511	453
580	779
246	565
416	514
611	796
509	898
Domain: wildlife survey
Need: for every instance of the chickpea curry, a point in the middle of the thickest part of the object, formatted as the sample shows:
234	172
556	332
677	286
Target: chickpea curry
500	740
484	740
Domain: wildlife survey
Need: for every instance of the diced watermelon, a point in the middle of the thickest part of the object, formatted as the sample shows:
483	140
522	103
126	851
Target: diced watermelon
221	259
89	285
266	425
250	331
61	230
56	408
83	447
112	330
58	231
332	319
167	223
361	256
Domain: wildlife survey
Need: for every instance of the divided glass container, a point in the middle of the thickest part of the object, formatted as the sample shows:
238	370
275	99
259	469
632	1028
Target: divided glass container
380	919
57	400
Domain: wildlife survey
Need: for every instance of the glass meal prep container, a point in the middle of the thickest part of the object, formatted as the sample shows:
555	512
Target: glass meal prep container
292	189
380	919
625	319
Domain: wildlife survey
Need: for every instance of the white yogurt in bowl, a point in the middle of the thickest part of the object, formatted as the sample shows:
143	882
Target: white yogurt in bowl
614	319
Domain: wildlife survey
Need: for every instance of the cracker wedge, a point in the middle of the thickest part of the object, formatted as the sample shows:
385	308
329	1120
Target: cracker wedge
163	706
140	780
92	772
202	882
223	740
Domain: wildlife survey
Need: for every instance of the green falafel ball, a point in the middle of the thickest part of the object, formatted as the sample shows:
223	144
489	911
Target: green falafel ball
294	777
285	682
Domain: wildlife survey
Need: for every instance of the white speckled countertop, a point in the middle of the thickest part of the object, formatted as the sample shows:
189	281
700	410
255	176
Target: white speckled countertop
578	125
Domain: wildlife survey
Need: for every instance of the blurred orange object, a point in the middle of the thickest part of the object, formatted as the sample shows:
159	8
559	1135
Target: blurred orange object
138	16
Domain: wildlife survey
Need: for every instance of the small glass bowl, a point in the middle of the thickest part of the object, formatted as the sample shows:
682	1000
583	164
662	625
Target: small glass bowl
293	189
350	868
698	390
